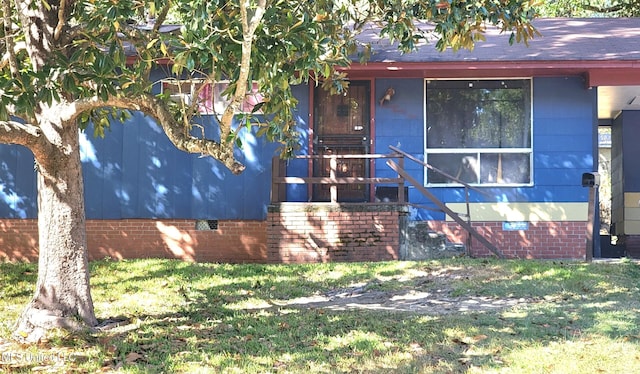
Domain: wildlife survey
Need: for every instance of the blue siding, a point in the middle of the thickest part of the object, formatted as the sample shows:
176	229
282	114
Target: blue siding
17	183
135	172
138	173
563	120
299	168
564	126
102	161
400	123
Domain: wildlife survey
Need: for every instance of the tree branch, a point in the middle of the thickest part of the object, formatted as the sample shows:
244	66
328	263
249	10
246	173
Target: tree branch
8	38
9	57
162	16
155	108
249	27
13	132
597	9
61	20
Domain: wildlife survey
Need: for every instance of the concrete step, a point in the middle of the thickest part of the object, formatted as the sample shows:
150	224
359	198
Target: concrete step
423	243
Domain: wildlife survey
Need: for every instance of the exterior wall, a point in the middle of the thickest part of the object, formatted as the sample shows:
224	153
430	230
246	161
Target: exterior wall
617	177
333	232
626	180
19	240
564	143
542	240
291	236
17	183
553	230
231	242
564	147
134	173
400	123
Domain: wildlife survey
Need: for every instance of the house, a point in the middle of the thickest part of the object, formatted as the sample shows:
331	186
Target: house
517	125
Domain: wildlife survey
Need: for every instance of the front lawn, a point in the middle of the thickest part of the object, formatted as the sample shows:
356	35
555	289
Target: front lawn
448	316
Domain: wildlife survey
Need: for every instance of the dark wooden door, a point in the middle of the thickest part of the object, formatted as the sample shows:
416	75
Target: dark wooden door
342	128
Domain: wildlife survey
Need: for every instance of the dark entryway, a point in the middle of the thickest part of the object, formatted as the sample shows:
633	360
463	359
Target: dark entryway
341	126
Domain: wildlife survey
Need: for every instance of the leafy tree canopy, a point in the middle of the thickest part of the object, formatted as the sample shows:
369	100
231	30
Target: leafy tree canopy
87	48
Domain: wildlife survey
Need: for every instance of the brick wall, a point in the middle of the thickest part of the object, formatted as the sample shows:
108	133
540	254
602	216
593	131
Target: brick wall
293	233
543	240
330	232
231	242
19	239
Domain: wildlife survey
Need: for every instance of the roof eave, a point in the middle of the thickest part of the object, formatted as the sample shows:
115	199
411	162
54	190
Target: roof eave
596	73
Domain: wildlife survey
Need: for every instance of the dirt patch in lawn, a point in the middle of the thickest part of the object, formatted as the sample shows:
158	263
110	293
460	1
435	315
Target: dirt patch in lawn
427	292
427	302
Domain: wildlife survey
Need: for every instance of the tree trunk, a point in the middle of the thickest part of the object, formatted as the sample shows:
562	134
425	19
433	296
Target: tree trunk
62	296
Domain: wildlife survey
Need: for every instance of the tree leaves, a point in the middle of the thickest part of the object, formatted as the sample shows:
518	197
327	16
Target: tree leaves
110	49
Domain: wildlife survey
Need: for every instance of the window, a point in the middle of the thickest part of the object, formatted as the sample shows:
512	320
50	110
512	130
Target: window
252	98
478	132
210	98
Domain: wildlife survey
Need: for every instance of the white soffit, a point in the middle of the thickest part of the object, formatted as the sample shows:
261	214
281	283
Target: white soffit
613	99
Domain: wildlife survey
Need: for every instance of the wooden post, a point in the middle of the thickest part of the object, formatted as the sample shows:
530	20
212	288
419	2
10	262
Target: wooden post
466	196
278	190
401	197
591	181
418	186
333	189
590	220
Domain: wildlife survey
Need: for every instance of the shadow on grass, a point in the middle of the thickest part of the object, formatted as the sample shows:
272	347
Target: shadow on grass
222	317
300	277
17	279
213	331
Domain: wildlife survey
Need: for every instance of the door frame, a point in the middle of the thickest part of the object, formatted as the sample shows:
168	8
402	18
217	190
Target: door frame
372	134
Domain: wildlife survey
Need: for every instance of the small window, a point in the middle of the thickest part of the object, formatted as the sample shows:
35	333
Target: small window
210	98
478	132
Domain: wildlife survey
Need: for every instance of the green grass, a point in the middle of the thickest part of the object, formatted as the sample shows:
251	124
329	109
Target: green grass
191	318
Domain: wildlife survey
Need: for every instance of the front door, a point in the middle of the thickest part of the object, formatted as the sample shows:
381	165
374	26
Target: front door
342	128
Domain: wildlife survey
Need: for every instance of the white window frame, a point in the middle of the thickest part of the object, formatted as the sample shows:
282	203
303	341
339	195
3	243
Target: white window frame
478	151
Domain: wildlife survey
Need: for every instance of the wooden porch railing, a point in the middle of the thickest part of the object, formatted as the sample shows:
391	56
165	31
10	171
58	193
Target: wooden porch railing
443	207
279	179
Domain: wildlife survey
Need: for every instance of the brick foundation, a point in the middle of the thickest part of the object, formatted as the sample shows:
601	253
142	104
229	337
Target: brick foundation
543	240
231	242
298	232
294	233
19	240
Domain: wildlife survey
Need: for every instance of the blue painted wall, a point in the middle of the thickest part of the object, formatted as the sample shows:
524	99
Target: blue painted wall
135	172
563	139
300	168
17	183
